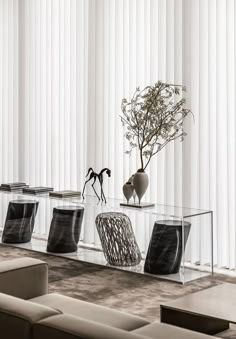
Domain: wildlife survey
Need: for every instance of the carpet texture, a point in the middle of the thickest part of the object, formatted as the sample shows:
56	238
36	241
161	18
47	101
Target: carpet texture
124	291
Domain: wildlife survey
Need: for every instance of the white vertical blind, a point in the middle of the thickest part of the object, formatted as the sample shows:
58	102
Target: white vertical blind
65	65
9	89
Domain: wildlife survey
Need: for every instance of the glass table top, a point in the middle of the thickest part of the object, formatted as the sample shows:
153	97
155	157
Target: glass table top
157	209
111	205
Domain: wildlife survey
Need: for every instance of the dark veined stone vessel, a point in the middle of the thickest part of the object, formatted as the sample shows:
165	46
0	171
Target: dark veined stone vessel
165	247
65	229
19	224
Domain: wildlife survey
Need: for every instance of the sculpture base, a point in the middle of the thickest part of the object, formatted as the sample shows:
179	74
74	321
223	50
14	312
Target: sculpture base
137	205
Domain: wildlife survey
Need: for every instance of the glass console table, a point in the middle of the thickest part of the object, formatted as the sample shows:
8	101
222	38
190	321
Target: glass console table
197	255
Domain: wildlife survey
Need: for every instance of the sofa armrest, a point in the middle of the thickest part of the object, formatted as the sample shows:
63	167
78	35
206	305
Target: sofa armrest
17	316
24	278
67	326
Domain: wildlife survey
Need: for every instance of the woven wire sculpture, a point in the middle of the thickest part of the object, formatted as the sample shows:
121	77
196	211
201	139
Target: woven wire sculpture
118	240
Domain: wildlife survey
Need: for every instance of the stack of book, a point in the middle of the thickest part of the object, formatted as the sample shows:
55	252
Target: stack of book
64	194
37	190
13	186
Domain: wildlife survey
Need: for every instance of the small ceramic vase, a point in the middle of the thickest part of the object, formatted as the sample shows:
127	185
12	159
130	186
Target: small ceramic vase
140	184
128	190
131	179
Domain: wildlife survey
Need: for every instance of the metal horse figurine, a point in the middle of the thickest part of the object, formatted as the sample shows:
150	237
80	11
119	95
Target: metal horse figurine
93	175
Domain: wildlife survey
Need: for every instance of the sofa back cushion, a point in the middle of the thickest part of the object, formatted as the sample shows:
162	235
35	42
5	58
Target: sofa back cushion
66	326
18	315
93	312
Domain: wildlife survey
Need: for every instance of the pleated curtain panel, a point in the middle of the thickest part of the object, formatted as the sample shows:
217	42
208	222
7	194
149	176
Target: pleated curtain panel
65	66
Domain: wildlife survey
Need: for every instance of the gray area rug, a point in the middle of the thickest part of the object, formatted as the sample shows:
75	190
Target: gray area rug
124	291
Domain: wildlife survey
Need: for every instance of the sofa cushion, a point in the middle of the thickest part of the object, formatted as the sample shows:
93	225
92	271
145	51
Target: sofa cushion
164	331
91	311
17	316
70	327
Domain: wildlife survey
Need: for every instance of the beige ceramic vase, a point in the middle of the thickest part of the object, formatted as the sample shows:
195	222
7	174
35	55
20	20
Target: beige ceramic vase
131	179
140	183
128	190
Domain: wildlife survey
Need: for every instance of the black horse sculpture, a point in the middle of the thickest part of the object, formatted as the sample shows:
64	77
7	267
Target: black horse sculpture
93	175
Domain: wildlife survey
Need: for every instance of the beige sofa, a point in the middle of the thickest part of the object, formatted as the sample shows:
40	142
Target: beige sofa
28	312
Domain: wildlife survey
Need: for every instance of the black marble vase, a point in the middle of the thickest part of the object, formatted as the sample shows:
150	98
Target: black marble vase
19	224
65	229
165	247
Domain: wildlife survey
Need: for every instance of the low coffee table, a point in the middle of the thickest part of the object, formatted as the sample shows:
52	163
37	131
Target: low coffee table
209	311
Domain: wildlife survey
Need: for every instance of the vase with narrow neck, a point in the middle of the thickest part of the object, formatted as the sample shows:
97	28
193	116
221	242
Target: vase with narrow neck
140	183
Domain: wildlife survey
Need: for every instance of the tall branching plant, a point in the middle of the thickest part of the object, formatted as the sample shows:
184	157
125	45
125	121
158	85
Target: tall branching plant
153	118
